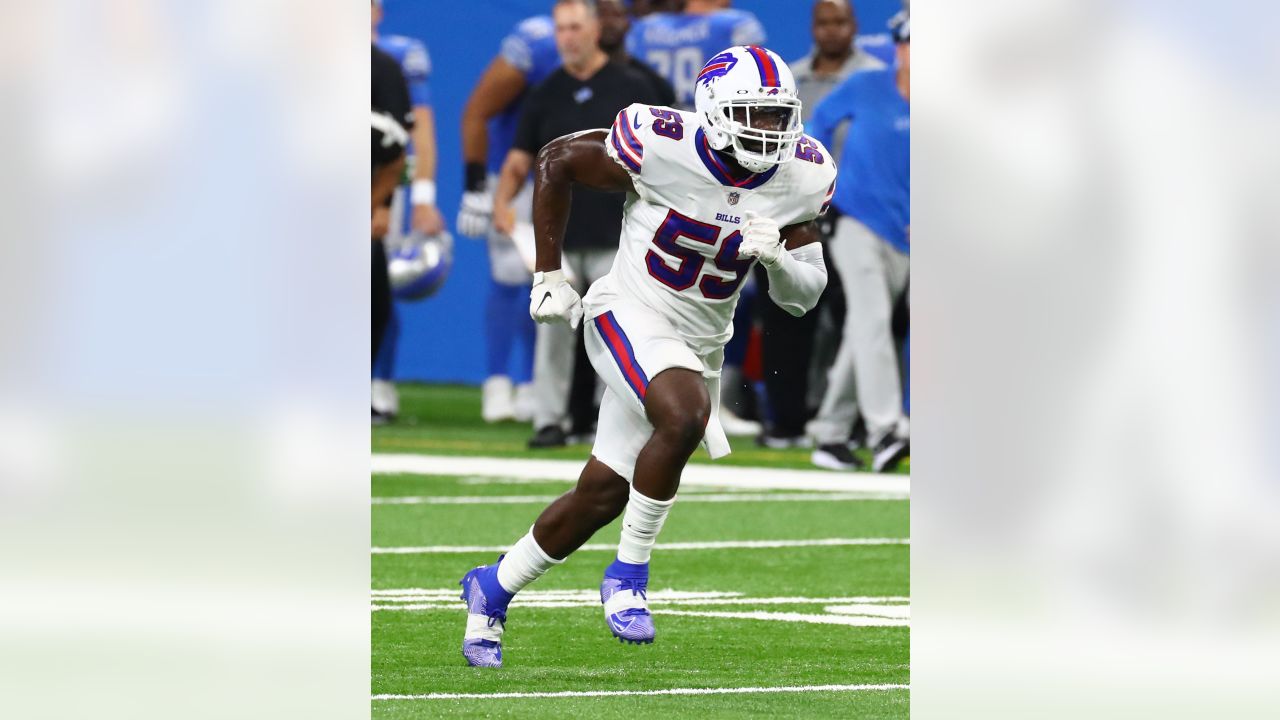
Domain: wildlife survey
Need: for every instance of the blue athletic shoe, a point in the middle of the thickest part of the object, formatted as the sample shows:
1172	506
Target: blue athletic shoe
626	603
486	616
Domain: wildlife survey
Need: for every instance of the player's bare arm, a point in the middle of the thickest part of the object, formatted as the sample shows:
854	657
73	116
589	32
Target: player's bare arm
577	158
510	181
426	216
500	85
498	88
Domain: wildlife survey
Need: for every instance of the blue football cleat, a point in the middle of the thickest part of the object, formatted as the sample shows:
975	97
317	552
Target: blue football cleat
486	616
482	653
626	603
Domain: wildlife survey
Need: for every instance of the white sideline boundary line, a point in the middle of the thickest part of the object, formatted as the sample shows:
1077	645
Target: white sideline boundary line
896	486
591	598
683	498
419	600
848	615
593	595
629	693
721	545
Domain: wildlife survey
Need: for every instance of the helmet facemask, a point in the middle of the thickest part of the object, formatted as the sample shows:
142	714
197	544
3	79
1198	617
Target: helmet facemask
763	132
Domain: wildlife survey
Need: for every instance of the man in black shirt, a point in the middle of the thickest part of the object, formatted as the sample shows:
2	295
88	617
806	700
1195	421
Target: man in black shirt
588	91
614	24
390	90
390	122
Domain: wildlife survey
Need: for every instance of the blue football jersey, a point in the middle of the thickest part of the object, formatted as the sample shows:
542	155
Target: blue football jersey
414	62
875	164
677	45
879	46
531	49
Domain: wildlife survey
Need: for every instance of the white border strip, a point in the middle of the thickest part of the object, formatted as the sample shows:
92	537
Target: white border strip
898	486
721	545
629	693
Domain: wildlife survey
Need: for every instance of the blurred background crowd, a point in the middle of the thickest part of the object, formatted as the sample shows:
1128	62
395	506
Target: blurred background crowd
463	100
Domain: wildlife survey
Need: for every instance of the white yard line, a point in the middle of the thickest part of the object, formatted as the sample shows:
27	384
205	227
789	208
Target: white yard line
861	611
451	604
902	612
559	594
658	596
482	480
896	486
399	602
664	547
682	497
416	600
850	620
625	693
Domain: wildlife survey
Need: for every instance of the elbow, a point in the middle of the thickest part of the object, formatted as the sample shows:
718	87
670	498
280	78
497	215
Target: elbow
474	117
795	307
550	166
471	112
799	300
800	307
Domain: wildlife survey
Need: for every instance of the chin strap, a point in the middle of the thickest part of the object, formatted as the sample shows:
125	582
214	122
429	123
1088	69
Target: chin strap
751	165
716	138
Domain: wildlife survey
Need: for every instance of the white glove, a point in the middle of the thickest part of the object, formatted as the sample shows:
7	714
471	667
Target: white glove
553	299
761	239
475	214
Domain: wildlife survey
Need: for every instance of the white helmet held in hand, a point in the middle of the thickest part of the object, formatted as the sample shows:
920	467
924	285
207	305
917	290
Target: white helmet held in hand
419	264
746	99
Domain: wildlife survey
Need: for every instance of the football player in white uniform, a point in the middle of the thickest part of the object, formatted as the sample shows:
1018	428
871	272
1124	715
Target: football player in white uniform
709	194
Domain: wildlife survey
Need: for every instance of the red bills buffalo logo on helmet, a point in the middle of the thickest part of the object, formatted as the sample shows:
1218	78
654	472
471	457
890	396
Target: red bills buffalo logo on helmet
717	66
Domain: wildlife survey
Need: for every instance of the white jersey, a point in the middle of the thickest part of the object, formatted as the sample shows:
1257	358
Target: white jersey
678	254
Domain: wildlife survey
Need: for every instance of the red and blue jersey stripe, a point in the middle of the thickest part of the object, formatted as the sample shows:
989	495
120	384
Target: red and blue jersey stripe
827	201
769	75
626	143
623	354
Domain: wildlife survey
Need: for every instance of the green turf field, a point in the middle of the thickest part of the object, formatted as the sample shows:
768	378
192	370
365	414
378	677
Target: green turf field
779	621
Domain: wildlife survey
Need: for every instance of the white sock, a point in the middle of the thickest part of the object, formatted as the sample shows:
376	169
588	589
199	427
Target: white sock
524	563
640	526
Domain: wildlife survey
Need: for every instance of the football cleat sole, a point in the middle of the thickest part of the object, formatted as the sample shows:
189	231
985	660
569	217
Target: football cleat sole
625	641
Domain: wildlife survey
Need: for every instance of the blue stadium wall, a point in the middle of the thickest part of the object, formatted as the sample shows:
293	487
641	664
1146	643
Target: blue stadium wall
442	339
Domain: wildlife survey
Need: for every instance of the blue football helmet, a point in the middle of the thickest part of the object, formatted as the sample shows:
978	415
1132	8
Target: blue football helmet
419	264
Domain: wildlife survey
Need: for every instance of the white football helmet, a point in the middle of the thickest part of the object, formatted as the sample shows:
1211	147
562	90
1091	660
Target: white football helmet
418	265
746	98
